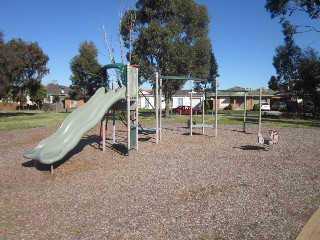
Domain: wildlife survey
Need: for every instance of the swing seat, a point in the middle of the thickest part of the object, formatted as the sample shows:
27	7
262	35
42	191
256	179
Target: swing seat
147	130
264	139
273	138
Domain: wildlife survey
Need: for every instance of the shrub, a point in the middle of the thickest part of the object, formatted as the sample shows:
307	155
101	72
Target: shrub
47	107
255	107
229	107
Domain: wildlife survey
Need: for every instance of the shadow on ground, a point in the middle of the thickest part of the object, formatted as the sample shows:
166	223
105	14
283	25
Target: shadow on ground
251	147
92	140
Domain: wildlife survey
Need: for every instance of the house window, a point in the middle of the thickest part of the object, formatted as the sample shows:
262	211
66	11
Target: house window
180	101
73	104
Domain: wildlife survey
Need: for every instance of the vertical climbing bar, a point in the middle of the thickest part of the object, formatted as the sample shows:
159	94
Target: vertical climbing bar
245	112
160	109
104	134
216	110
203	97
191	120
128	107
137	107
260	93
157	107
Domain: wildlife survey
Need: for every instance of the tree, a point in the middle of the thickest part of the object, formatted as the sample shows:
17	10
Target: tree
287	7
286	60
308	86
297	71
21	63
273	83
4	81
87	74
39	95
169	37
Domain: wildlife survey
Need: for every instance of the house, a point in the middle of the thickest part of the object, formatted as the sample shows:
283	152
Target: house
235	97
63	93
180	98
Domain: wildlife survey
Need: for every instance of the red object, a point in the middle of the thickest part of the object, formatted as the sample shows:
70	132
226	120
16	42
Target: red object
183	110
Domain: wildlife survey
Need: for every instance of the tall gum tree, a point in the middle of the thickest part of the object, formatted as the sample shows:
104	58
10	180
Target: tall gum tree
169	37
87	74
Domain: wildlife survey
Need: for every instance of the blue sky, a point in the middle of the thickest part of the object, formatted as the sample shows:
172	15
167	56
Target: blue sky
243	35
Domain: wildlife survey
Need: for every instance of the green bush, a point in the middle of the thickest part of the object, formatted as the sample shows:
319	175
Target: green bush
47	107
255	107
229	107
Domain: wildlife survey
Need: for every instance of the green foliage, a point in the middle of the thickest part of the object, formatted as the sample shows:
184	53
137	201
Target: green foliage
47	107
298	71
21	65
287	7
87	74
170	37
206	106
287	57
37	92
39	95
273	83
229	107
55	99
255	107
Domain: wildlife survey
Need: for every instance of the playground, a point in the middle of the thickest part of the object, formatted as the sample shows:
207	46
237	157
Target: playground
186	187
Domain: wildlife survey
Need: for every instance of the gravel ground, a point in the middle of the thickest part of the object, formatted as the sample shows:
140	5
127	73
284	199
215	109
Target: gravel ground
186	187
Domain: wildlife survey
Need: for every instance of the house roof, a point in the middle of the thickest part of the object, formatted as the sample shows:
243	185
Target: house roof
56	89
232	92
240	92
180	93
187	93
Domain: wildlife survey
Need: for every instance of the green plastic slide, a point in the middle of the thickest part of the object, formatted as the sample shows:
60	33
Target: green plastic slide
79	122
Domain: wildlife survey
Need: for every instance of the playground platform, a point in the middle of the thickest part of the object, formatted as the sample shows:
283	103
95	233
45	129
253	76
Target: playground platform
311	231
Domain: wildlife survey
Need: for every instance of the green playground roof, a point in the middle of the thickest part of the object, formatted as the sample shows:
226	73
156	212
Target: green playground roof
123	69
182	78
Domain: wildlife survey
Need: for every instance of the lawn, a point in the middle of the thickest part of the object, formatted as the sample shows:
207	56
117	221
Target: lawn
10	120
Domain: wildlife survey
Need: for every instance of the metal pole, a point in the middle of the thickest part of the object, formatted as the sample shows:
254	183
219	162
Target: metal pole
113	115
128	107
113	126
104	123
216	110
245	112
260	109
137	107
157	108
113	82
191	83
160	109
203	96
